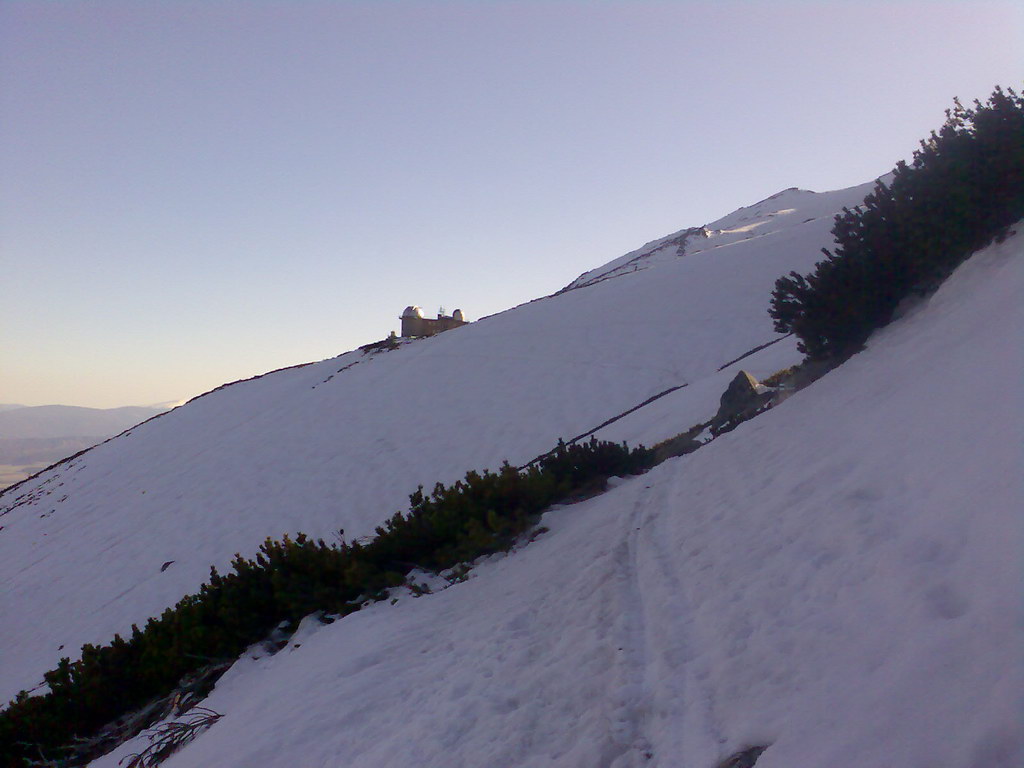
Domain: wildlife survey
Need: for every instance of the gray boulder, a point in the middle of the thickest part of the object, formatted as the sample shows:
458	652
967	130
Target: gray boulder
743	398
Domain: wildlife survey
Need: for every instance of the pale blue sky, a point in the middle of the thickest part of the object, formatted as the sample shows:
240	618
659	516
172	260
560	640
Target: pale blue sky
196	192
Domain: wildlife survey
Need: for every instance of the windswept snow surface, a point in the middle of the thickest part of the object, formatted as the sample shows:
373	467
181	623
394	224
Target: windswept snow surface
784	210
838	579
127	529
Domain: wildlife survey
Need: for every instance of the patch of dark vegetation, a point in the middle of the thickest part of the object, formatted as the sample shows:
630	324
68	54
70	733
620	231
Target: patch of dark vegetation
561	445
385	345
288	579
680	445
168	738
963	189
780	377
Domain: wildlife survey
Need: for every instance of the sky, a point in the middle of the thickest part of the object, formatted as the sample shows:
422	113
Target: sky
197	192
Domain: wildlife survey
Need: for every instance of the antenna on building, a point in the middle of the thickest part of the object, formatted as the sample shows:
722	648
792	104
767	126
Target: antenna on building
440	311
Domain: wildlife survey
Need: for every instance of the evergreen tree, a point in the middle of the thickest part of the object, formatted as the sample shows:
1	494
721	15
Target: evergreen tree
964	187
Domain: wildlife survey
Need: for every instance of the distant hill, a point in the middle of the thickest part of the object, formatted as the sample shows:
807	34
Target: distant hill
69	420
33	437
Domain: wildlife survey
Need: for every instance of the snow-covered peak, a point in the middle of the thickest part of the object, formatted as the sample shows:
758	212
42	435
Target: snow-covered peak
784	210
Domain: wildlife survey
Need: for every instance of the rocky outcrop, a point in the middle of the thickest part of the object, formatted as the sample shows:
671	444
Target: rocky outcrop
742	399
744	759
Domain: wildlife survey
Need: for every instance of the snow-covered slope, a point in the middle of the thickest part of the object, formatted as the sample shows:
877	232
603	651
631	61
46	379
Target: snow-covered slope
838	579
125	530
785	210
340	444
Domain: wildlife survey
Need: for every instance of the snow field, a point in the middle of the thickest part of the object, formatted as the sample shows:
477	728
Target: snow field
341	443
837	578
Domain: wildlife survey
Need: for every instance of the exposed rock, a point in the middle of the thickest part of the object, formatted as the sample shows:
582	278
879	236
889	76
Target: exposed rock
744	759
742	399
740	393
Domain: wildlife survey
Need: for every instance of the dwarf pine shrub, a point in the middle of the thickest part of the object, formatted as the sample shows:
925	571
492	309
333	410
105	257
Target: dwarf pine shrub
964	187
289	579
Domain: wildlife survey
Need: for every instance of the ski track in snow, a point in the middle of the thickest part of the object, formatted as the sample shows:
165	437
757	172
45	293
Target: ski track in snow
632	699
685	704
659	691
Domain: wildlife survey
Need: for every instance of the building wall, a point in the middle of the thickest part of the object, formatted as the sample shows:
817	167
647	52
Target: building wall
422	326
412	326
